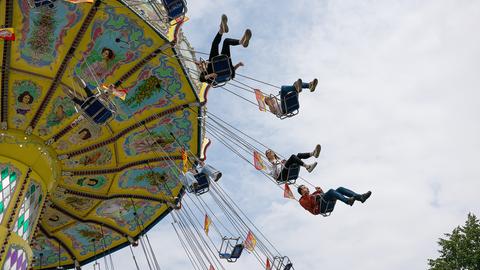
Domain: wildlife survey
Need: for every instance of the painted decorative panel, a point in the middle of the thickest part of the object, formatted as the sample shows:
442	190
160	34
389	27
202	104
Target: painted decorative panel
122	212
8	180
29	210
82	234
16	259
158	137
26	94
155	179
104	55
45	252
44	30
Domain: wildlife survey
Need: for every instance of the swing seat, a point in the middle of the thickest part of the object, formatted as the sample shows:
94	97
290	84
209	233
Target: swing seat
282	263
234	255
221	66
175	8
202	185
289	175
289	104
96	110
326	207
40	3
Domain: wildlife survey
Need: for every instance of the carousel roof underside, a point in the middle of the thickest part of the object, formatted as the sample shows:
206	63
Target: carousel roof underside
109	172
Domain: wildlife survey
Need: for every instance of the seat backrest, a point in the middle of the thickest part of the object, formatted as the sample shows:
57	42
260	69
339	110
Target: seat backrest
202	183
175	8
221	66
290	102
237	251
288	266
289	175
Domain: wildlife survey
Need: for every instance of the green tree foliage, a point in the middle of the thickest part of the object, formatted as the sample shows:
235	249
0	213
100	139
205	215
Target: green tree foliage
460	250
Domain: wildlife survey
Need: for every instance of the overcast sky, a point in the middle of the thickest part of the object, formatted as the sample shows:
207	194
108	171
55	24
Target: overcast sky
396	111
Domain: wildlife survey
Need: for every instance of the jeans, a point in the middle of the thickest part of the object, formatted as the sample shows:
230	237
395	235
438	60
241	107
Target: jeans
79	101
225	50
340	193
285	89
210	171
294	160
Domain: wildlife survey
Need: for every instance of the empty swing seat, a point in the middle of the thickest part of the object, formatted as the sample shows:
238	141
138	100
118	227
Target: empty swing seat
288	266
202	184
96	110
175	8
234	255
282	263
222	67
289	175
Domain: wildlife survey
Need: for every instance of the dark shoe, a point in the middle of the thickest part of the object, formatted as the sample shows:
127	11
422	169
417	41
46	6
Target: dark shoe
350	201
246	38
79	81
316	151
310	167
223	24
298	85
312	85
217	176
365	196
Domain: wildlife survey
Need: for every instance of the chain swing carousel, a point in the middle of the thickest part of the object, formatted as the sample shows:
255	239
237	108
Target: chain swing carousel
80	181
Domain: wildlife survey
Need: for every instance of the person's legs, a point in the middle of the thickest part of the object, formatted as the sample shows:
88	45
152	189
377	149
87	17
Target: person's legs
226	45
294	160
285	89
214	48
332	195
348	193
211	172
88	91
304	155
77	101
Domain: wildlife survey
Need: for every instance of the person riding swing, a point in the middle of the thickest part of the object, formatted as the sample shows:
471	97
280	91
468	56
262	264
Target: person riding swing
219	68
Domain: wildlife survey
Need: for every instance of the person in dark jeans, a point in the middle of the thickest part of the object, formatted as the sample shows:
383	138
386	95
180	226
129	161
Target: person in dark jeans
321	203
207	74
279	107
279	168
91	105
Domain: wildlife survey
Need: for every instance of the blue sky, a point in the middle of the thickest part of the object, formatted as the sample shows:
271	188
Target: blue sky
396	111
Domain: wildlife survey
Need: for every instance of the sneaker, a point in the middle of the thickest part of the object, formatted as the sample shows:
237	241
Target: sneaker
79	81
223	24
246	38
350	201
298	85
316	151
217	176
310	167
312	85
365	196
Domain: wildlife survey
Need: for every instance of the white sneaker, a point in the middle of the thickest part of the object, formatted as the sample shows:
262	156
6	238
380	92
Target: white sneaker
223	24
246	38
310	167
316	151
298	85
312	85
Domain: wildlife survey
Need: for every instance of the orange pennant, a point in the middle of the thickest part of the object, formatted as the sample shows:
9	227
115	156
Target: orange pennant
184	160
287	192
257	161
260	100
206	224
250	241
211	267
267	265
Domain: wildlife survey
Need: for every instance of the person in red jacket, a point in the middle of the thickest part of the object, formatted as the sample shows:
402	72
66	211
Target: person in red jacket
322	203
